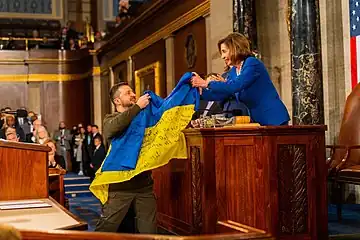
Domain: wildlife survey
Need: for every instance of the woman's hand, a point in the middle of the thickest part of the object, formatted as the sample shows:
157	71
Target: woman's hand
197	81
219	78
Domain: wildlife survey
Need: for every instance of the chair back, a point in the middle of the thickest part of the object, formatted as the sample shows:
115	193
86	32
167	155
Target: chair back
349	131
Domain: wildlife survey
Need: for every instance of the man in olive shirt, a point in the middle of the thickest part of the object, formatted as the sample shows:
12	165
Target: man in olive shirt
138	191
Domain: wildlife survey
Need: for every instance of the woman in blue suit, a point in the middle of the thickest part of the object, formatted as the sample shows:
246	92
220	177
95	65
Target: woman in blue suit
248	80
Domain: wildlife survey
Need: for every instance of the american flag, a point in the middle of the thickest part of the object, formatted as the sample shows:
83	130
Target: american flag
355	41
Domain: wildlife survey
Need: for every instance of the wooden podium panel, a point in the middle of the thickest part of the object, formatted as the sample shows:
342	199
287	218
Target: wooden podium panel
270	178
24	171
24	176
49	218
77	235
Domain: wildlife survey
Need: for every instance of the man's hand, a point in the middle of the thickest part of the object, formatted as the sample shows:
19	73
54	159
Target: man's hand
197	81
143	101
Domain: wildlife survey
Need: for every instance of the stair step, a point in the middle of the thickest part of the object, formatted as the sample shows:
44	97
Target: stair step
79	193
77	188
76	181
76	177
77	185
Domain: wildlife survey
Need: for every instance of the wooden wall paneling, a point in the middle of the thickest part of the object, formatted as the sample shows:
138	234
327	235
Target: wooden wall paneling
170	11
50	105
120	72
24	171
197	30
174	179
65	82
207	182
317	144
150	55
220	173
34	97
75	101
13	95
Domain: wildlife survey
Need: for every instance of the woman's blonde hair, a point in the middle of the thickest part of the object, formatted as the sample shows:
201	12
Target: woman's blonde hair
37	133
239	47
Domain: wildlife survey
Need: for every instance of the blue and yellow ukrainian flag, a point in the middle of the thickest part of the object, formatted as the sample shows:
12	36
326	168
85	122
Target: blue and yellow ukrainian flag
153	138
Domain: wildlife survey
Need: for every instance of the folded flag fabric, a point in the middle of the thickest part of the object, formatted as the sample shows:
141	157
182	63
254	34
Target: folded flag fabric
153	138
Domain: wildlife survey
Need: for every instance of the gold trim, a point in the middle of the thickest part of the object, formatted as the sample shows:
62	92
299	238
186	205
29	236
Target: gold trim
173	26
37	60
43	77
145	70
96	71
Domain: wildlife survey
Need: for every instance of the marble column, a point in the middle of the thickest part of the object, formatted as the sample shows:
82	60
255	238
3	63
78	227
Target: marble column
244	17
208	42
307	86
130	71
170	63
97	108
221	24
112	83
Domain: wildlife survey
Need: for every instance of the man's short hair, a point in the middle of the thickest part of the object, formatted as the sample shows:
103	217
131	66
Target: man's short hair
95	126
98	137
115	88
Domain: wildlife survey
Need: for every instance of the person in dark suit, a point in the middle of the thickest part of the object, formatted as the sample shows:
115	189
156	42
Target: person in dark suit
87	150
95	132
248	80
98	156
10	121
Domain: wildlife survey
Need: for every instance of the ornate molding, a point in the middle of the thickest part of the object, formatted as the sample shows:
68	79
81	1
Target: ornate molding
173	26
292	186
196	173
149	69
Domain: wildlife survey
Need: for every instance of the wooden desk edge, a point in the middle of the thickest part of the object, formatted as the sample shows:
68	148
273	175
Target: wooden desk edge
81	224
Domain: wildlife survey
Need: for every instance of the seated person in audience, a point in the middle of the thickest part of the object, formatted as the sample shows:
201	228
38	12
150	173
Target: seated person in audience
10	121
42	135
2	118
32	43
85	43
98	155
128	8
117	21
55	160
46	44
10	45
31	137
11	134
72	45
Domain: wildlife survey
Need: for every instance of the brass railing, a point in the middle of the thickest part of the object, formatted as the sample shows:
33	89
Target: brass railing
27	40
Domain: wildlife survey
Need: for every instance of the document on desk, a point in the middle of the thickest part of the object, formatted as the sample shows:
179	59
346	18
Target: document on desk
26	204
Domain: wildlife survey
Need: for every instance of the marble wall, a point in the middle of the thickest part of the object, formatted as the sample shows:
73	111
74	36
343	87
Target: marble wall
274	45
221	24
334	63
